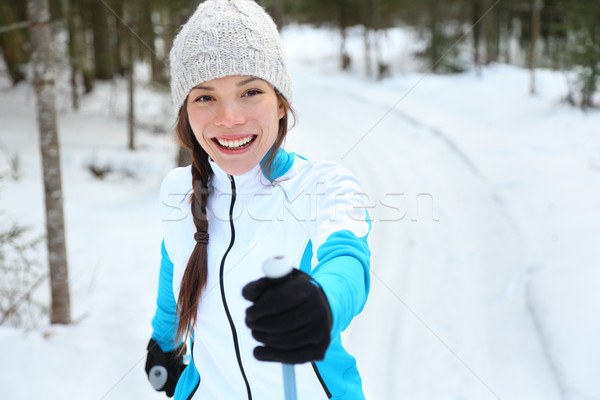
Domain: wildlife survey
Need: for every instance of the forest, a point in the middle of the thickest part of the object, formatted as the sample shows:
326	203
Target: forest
105	37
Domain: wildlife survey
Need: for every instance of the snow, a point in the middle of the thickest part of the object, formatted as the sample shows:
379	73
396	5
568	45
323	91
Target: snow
484	201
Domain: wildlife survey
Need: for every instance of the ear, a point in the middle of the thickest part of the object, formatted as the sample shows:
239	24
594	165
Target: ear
280	110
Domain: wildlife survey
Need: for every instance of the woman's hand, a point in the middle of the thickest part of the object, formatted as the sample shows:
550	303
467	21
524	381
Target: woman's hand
164	368
291	316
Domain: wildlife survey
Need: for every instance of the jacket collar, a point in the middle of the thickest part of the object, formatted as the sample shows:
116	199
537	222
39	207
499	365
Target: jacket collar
255	179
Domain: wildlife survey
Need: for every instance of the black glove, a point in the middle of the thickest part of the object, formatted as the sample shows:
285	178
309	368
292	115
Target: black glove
163	369
291	316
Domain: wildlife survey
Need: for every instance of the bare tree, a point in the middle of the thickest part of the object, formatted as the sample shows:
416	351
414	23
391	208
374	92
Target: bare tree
475	16
76	44
41	41
536	10
129	10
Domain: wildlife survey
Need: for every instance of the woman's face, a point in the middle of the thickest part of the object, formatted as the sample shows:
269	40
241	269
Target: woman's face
235	119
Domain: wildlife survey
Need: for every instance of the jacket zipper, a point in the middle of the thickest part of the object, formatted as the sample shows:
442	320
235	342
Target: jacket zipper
231	324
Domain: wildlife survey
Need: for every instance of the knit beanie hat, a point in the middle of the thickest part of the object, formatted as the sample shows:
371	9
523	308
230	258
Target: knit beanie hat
224	38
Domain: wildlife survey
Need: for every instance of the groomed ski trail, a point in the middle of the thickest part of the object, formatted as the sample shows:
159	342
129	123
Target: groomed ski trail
447	258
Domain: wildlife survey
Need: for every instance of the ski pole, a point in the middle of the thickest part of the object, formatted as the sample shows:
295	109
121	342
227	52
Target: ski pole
275	268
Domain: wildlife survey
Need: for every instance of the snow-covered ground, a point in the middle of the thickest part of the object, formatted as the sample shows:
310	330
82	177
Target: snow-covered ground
485	206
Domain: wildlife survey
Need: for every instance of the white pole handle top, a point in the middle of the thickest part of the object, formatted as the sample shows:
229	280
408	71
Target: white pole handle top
277	267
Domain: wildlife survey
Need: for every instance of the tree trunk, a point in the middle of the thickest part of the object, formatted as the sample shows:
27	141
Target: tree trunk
122	25
476	14
343	25
103	56
382	69
147	47
85	35
536	9
126	57
434	31
172	21
368	63
75	29
41	41
345	57
278	13
130	82
131	117
492	33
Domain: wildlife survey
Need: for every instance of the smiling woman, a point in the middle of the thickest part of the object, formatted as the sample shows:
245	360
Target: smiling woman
243	200
236	120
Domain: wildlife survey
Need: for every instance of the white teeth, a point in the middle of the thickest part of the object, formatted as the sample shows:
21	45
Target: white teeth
232	144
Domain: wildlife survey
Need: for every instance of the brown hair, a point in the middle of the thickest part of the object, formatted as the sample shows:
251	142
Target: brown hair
196	273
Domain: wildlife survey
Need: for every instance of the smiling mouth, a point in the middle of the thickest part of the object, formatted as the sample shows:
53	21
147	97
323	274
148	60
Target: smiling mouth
235	144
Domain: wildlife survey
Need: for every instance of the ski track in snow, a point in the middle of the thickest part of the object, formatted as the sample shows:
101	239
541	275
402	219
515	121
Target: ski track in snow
436	319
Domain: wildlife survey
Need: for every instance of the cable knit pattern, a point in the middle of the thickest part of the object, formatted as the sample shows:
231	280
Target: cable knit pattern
223	38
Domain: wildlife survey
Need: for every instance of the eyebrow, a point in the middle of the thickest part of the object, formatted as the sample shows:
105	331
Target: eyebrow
246	81
239	84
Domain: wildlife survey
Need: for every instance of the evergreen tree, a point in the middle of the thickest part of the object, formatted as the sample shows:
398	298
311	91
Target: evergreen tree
583	19
13	39
104	55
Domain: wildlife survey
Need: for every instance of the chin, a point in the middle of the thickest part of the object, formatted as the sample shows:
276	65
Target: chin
237	170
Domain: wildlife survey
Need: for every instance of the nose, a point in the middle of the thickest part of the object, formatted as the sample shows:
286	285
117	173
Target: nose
229	114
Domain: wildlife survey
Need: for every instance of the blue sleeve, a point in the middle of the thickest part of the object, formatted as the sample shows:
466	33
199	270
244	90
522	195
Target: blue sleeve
343	273
164	323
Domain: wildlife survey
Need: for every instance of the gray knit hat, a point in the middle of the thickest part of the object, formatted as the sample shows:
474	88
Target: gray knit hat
223	38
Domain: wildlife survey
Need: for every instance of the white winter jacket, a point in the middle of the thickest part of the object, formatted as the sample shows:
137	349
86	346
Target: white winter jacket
313	213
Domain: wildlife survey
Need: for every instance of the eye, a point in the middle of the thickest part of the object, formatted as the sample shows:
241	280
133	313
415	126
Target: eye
204	98
252	92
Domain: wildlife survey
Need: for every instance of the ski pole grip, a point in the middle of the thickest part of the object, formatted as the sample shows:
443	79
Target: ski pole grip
277	267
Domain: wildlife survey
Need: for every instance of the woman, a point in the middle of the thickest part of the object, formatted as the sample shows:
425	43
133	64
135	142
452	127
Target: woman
243	200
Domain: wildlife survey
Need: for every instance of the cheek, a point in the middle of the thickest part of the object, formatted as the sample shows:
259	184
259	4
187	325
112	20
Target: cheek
197	124
271	119
272	124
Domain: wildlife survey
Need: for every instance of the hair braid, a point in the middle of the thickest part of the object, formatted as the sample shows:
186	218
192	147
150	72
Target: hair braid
196	273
